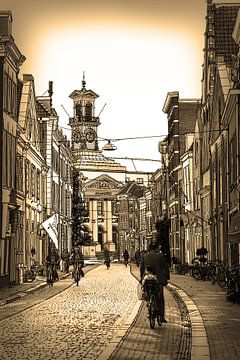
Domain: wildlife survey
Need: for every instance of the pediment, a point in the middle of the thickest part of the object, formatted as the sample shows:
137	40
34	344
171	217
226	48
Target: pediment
81	93
103	182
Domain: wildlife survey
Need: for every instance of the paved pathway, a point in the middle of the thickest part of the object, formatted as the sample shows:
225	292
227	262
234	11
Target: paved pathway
77	323
221	318
97	320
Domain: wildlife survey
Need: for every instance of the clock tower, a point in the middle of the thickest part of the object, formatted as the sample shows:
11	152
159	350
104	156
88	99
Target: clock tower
84	123
88	158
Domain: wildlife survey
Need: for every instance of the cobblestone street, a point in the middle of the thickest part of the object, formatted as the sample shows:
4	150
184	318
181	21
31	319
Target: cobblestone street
89	321
102	319
77	323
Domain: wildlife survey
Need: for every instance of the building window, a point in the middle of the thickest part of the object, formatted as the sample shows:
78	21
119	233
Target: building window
33	181
78	111
38	184
140	181
19	170
27	177
10	94
4	163
100	208
88	111
233	160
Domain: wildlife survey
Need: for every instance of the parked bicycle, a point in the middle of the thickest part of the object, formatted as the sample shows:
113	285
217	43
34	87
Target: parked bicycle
31	274
222	272
233	285
182	269
203	270
151	295
198	269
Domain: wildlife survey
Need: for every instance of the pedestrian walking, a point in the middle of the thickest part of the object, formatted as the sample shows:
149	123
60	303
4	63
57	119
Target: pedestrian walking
156	262
137	257
126	257
107	259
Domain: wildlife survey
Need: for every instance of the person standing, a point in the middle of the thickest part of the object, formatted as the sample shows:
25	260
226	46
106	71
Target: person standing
156	262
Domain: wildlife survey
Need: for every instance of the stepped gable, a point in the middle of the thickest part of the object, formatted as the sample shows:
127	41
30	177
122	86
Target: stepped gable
224	21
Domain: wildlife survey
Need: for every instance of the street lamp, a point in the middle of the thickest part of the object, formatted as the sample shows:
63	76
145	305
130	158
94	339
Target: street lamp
109	146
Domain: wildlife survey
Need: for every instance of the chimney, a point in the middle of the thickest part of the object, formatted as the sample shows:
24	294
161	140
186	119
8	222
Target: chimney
50	92
5	23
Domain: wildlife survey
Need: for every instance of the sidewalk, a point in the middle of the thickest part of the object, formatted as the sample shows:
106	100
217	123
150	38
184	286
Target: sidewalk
16	292
215	329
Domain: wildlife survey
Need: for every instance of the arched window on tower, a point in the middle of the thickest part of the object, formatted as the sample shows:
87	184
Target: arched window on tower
88	111
78	111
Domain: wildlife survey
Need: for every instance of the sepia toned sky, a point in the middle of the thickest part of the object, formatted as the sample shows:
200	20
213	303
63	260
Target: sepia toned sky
132	51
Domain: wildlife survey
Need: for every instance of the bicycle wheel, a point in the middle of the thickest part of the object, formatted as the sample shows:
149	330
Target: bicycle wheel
196	273
77	277
50	277
221	279
151	313
159	320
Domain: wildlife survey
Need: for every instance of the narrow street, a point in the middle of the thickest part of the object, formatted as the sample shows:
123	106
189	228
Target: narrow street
102	319
85	322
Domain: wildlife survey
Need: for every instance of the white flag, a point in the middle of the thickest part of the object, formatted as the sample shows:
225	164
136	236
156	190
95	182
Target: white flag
50	225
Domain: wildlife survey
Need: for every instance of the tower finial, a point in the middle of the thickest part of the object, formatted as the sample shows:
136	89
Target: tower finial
83	81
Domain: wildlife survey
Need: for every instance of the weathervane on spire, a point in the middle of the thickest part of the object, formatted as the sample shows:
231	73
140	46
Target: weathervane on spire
83	81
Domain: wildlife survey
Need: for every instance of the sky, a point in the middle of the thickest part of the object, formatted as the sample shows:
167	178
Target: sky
133	52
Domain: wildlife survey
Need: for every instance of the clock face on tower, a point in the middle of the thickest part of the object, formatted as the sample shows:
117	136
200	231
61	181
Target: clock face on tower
90	134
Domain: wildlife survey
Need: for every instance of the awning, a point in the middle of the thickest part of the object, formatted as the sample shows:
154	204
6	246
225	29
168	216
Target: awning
234	229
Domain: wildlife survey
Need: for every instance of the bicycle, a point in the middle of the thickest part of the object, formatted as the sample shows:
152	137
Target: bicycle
151	290
50	275
78	273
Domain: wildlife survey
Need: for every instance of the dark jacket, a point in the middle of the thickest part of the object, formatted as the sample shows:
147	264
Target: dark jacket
156	261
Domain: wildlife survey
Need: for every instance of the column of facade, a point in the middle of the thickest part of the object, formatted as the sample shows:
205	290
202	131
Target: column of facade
111	245
93	214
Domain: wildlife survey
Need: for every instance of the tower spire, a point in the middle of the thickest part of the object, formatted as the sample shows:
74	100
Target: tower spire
83	81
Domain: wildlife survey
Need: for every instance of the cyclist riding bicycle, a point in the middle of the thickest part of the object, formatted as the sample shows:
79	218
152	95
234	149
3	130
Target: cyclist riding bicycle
52	262
77	261
157	263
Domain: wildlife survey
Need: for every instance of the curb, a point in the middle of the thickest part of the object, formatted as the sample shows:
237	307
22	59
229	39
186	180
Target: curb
200	347
24	293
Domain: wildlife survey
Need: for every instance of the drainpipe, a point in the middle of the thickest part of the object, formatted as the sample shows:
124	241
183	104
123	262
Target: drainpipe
1	136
